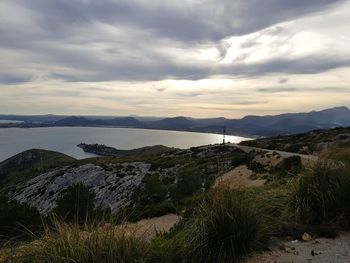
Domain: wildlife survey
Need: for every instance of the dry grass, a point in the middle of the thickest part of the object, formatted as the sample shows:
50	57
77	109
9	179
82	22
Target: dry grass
71	243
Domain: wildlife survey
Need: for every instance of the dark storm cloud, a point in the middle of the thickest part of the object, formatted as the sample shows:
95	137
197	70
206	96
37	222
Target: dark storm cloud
283	80
106	72
13	79
312	64
187	20
294	89
135	71
63	39
277	90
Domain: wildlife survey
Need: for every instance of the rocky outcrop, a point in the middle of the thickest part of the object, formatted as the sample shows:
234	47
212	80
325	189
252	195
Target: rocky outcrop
171	175
114	189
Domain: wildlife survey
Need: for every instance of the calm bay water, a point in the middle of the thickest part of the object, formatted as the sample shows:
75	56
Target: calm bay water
65	139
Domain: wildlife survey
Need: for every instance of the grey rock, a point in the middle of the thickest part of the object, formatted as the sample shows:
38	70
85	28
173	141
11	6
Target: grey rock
113	189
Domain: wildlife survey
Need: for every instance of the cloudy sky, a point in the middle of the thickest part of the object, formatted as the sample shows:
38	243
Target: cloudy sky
195	58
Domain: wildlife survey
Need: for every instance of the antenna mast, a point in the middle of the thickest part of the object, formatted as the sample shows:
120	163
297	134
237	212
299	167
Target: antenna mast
223	135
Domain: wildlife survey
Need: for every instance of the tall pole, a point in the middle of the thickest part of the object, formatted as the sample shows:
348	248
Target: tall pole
223	135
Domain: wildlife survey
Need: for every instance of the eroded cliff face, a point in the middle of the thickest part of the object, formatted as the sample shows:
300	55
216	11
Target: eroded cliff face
114	188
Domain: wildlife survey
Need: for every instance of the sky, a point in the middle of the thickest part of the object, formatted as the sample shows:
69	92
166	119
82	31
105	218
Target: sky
198	58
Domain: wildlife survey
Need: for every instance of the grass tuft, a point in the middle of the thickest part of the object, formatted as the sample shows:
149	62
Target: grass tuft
226	229
321	194
71	243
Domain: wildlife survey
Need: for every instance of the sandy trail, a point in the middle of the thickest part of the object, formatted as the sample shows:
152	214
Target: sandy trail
321	250
305	159
149	228
238	178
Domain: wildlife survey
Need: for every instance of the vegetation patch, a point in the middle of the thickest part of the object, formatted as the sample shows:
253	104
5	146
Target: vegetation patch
322	195
76	205
219	224
71	243
305	143
18	221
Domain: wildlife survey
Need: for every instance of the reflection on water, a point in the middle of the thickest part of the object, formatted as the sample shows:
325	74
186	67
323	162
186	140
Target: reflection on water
65	139
9	121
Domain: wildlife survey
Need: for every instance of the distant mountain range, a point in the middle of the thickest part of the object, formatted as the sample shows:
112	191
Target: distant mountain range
288	123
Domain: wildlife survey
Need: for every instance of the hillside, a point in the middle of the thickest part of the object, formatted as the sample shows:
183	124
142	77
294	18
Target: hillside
282	124
79	121
289	123
125	122
296	122
313	142
210	199
176	123
25	164
139	180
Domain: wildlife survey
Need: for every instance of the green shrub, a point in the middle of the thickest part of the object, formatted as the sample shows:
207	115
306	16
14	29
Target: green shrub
240	159
256	167
294	148
322	194
271	204
226	229
189	182
155	190
76	204
18	220
151	210
290	164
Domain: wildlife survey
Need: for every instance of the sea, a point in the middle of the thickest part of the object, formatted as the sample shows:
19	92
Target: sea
65	139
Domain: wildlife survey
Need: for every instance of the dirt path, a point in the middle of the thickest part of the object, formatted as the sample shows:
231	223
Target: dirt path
320	250
305	159
149	228
238	178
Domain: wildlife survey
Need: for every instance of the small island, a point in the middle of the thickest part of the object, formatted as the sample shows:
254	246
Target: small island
107	151
100	149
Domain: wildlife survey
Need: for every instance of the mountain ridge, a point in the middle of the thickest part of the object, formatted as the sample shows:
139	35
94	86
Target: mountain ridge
250	125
